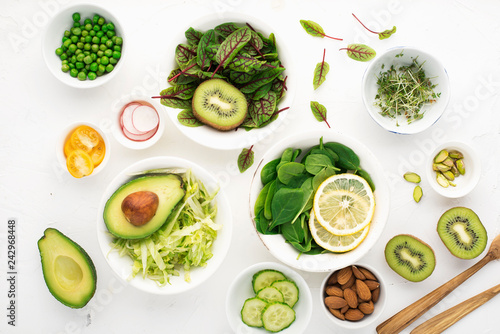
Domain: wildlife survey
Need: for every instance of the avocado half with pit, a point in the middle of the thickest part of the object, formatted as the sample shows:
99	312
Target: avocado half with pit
141	206
67	269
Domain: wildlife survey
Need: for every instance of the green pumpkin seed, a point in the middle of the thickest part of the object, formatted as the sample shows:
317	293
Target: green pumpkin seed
412	177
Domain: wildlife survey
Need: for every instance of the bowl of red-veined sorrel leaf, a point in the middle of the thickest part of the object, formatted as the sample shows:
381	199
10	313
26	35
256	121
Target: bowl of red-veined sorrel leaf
319	201
228	83
406	90
164	226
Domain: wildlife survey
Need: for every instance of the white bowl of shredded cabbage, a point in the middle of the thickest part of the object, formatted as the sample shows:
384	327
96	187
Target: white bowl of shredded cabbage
147	264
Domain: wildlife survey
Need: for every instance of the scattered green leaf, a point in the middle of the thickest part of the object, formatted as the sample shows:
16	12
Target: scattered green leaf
360	52
319	111
314	29
245	159
320	72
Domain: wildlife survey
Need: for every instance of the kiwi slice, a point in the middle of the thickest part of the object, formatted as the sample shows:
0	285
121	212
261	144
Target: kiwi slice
219	104
410	257
462	232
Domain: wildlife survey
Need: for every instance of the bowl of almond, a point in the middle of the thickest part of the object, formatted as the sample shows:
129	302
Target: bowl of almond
354	296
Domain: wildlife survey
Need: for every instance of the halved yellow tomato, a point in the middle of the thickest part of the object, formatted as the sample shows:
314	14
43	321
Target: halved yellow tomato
79	164
97	153
85	138
68	148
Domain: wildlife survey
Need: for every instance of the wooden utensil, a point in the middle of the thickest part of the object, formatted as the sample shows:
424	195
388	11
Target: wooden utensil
406	316
442	321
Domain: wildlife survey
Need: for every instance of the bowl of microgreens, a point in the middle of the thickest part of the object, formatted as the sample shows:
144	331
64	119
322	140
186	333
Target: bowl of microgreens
406	90
319	201
227	84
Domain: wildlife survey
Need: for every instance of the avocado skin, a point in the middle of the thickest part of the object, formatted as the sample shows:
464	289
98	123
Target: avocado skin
164	185
91	271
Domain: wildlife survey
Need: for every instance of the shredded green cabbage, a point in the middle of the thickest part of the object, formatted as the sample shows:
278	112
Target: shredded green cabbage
184	241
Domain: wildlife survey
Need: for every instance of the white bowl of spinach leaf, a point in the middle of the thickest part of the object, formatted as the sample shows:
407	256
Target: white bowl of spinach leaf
298	249
260	69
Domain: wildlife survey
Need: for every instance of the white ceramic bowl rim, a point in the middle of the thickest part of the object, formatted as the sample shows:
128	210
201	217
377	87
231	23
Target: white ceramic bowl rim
434	69
329	261
52	35
230	140
122	266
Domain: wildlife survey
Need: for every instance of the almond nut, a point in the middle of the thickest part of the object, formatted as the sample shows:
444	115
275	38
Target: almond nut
353	314
344	309
336	313
368	274
351	298
335	302
372	285
334	291
366	308
344	275
375	295
358	273
333	279
363	291
349	283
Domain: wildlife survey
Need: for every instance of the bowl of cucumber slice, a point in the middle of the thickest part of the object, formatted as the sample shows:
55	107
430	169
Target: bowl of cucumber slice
263	291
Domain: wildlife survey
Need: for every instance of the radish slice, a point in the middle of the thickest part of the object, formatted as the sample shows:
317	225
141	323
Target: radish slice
127	119
144	118
142	137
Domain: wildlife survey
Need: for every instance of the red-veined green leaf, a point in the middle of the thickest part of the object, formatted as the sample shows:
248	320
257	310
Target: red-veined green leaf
319	111
203	56
183	54
245	63
314	29
177	77
245	159
187	118
177	103
261	79
193	36
387	33
226	29
183	92
360	52
263	109
320	72
232	45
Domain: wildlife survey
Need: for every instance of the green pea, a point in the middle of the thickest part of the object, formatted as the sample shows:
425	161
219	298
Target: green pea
104	39
78	51
99	73
114	39
96	28
110	33
64	39
59	51
95	48
93	56
71	66
94	67
65	61
92	33
88	27
80	57
65	68
119	41
109	68
84	70
100	53
95	40
72	48
88	39
113	61
73	72
95	19
76	24
87	60
87	68
104	28
117	48
98	60
64	56
79	45
76	17
72	59
111	26
86	53
92	76
101	21
79	65
85	33
87	21
82	39
74	39
102	47
101	68
99	34
76	31
67	43
109	44
104	60
117	54
108	53
87	46
67	33
82	76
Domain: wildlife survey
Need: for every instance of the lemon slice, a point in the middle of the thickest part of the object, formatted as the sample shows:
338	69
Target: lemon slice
344	204
332	242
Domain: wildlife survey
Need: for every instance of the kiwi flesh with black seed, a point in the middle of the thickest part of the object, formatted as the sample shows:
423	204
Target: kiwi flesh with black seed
410	257
219	104
462	232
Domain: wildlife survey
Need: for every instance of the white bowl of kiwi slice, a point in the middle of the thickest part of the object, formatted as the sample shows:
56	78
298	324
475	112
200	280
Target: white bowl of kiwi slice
228	81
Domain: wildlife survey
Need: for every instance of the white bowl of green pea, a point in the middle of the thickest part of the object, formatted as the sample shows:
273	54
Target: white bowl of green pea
83	46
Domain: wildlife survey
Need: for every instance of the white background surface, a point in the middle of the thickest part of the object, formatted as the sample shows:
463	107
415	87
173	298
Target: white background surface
36	107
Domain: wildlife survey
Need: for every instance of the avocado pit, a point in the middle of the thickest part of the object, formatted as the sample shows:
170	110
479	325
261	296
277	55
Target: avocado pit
140	207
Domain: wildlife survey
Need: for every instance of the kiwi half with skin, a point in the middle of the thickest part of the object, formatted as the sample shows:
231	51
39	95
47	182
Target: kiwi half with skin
410	257
462	232
219	104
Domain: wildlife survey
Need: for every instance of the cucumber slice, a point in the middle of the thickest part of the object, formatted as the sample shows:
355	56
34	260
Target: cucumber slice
265	278
289	290
251	312
277	316
270	294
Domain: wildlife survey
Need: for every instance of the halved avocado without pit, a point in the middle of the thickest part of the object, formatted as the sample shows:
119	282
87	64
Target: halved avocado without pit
67	269
141	206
